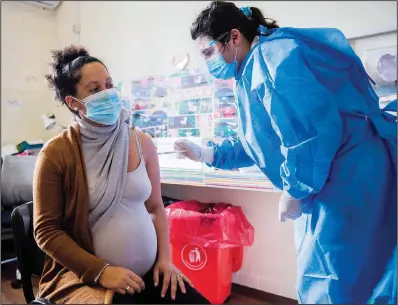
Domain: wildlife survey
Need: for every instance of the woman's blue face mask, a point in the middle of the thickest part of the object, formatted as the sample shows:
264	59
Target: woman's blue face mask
216	63
220	69
103	107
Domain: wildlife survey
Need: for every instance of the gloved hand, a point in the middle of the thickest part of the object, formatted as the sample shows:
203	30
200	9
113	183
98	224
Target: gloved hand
188	149
289	208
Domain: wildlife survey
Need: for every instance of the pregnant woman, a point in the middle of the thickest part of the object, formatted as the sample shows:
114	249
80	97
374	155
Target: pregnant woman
98	211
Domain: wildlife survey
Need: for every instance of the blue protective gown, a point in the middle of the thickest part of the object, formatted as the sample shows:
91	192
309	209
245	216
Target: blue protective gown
310	120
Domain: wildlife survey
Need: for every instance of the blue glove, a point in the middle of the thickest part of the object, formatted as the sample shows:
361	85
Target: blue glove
289	208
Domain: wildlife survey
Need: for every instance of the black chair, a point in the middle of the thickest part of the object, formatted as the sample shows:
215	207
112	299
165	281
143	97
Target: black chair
16	189
30	257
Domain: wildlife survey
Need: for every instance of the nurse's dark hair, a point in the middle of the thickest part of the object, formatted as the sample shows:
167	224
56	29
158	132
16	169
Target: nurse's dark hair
221	17
65	70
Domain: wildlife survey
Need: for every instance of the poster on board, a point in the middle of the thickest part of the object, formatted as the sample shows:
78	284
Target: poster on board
184	105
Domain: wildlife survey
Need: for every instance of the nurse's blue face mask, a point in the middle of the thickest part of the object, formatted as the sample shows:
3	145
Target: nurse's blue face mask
215	61
103	107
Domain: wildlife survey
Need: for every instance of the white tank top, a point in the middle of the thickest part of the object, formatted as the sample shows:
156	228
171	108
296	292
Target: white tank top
129	238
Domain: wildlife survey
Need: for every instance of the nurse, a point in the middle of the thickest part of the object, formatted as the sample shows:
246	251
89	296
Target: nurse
310	120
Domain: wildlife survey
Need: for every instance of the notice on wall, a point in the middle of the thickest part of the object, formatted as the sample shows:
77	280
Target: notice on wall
14	104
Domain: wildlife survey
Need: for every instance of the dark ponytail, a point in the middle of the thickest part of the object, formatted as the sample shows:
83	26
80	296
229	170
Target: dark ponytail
258	18
221	17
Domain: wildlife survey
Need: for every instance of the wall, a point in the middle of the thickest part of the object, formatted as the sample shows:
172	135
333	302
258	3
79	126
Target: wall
133	38
379	41
354	18
137	39
28	34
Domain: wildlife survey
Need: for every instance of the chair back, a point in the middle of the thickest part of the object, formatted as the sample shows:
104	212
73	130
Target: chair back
29	256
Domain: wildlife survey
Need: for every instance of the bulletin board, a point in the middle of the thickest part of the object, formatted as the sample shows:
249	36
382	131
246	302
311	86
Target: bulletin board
189	105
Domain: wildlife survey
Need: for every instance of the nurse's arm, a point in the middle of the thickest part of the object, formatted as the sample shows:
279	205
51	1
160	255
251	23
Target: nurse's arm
230	155
307	121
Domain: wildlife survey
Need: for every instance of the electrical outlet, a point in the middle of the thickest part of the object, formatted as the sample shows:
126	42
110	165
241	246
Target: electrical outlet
77	28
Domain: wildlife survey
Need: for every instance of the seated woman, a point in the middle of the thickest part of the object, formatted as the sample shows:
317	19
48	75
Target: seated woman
98	211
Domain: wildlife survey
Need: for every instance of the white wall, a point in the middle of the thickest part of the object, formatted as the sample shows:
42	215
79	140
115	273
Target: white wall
362	44
138	38
27	36
354	18
134	39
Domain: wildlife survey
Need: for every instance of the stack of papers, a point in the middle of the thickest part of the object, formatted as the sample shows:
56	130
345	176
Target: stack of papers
182	176
237	180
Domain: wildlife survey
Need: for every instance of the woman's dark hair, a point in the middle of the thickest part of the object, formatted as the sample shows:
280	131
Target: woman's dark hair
65	69
221	17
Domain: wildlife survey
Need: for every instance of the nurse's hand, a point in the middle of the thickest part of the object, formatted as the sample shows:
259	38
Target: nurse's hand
289	208
187	149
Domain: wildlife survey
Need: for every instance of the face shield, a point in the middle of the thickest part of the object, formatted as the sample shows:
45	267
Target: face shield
212	58
209	49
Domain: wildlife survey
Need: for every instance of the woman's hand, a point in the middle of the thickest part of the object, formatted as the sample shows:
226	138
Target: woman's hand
121	280
171	277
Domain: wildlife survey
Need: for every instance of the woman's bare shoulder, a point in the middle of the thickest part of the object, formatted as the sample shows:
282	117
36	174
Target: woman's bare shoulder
148	147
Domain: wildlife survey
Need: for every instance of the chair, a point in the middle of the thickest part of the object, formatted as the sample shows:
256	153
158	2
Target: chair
16	189
30	257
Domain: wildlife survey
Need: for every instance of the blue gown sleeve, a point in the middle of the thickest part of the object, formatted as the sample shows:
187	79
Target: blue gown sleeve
305	117
230	155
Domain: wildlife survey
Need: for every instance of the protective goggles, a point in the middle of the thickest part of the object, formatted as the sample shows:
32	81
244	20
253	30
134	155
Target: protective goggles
211	51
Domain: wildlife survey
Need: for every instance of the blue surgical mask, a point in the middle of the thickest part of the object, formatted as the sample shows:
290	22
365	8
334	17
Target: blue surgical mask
221	69
103	107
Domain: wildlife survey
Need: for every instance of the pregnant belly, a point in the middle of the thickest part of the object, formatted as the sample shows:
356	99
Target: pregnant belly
128	240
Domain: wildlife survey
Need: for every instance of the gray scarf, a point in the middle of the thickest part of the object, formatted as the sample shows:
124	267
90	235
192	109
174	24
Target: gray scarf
105	151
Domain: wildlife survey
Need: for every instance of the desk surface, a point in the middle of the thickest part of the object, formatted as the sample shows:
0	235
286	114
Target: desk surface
218	179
